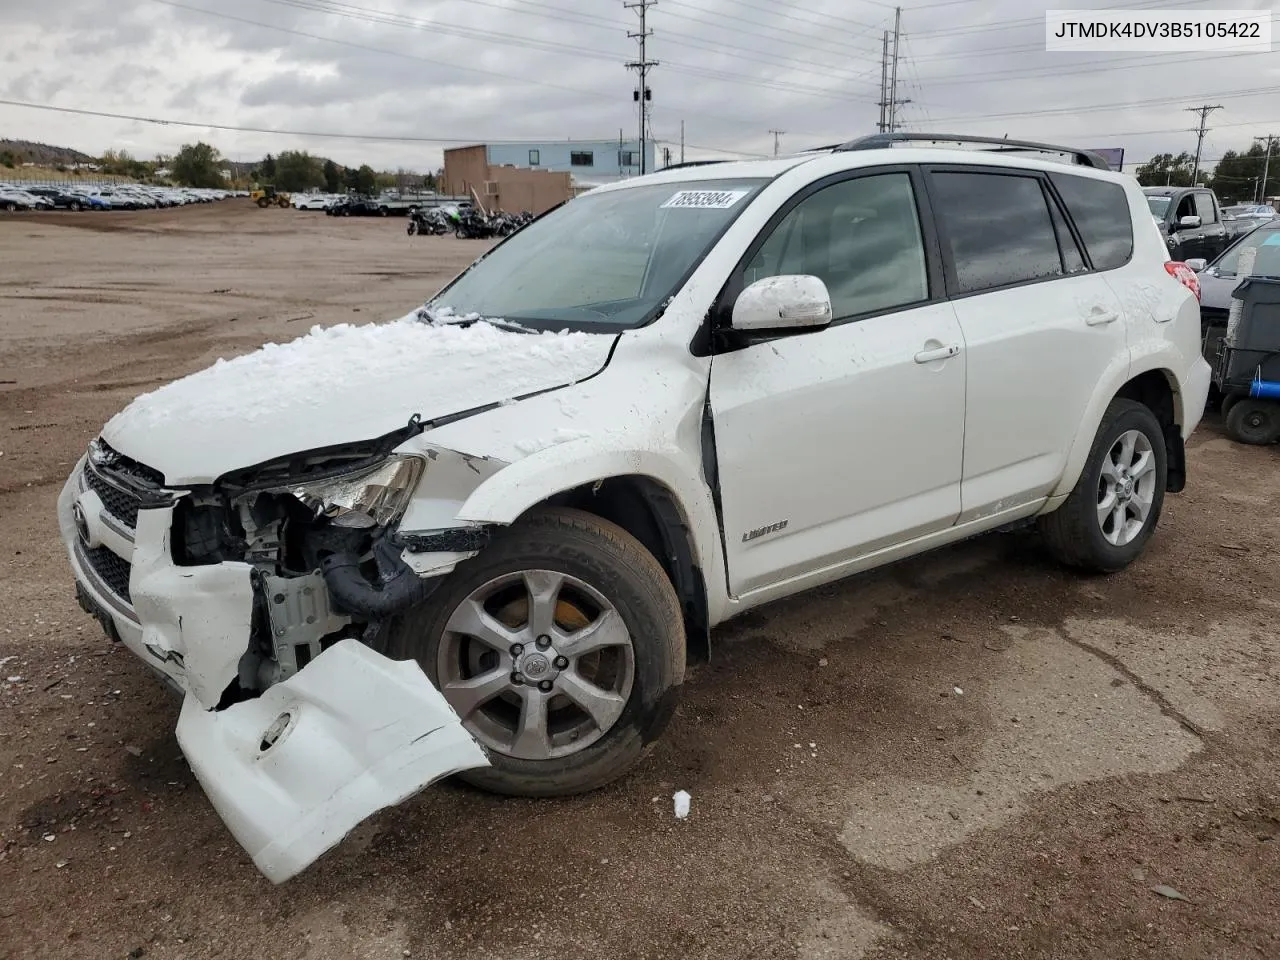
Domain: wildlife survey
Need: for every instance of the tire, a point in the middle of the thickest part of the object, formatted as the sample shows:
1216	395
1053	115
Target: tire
75	205
601	564
11	206
1255	422
1077	532
383	211
459	234
411	229
264	203
1229	401
346	213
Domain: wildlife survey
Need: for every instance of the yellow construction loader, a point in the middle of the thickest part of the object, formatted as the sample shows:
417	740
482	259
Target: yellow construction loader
268	197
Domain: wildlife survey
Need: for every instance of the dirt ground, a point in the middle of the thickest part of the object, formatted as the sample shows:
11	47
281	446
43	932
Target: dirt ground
970	755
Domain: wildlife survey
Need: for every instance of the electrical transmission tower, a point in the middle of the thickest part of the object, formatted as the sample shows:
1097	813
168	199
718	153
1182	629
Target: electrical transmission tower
642	95
889	101
776	135
1203	111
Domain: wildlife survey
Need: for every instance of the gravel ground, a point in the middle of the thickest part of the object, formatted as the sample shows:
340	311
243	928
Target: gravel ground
973	754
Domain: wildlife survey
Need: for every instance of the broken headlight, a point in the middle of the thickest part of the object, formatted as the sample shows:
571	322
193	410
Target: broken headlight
373	497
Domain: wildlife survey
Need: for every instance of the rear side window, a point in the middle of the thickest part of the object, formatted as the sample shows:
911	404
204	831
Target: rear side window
998	228
1101	212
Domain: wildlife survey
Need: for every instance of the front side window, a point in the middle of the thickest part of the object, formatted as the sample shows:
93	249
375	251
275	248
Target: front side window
997	228
582	158
1204	209
1101	213
608	258
860	237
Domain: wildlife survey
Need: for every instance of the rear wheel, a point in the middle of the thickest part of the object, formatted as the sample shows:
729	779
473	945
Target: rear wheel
1111	514
561	648
1229	401
11	206
75	205
411	229
1254	421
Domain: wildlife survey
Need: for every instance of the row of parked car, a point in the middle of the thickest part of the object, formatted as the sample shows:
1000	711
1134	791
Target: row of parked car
131	196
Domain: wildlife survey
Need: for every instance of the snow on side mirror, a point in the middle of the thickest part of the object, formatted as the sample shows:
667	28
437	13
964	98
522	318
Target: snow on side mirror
1189	222
789	302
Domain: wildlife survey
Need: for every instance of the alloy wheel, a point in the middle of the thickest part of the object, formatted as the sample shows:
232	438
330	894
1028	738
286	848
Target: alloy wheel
537	664
1126	488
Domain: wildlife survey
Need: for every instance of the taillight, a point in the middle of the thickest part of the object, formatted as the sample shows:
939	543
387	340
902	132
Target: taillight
1185	276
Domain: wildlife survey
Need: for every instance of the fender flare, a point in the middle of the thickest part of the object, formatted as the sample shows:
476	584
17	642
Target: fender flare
1112	381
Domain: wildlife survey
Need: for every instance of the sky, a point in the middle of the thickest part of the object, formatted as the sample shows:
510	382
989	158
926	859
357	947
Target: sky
402	79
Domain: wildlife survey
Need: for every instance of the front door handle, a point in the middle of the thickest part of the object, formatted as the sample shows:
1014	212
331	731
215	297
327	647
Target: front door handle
1099	318
938	353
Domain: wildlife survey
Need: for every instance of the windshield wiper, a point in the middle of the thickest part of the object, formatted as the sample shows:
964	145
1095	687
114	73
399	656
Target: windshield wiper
452	320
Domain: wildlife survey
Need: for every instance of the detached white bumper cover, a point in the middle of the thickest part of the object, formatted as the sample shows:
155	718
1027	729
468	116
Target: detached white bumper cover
292	772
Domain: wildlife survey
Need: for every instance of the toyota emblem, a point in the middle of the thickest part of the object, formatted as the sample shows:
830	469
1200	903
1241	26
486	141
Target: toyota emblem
82	523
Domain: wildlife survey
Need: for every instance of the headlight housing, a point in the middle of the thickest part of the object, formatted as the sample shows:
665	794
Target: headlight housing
373	497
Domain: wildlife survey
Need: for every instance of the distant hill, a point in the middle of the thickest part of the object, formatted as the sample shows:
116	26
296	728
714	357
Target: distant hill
43	154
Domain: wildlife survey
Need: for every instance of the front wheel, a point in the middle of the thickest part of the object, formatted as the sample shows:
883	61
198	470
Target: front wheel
1255	422
561	647
411	229
1111	514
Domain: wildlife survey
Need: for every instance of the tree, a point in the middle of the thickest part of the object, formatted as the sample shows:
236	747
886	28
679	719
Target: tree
297	170
1166	170
196	165
1238	176
332	178
366	181
267	169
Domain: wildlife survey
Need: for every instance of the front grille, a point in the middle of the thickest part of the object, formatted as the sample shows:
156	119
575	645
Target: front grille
111	569
121	504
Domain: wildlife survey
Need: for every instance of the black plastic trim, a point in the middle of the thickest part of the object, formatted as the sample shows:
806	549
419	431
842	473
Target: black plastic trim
448	540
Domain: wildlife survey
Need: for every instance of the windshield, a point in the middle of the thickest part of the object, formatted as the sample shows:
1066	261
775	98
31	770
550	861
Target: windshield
606	259
1237	211
1158	205
1266	240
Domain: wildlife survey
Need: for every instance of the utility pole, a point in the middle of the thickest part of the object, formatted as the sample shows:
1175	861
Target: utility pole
1260	195
776	135
1203	111
882	125
642	67
682	141
892	96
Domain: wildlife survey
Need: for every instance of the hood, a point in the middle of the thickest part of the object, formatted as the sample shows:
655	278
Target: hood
338	385
1215	291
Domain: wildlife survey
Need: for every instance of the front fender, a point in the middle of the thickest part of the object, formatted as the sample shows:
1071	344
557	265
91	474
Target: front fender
509	493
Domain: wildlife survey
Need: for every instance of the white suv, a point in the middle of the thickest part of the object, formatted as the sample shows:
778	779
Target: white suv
481	538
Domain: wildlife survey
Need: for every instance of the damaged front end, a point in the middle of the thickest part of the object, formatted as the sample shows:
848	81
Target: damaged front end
261	597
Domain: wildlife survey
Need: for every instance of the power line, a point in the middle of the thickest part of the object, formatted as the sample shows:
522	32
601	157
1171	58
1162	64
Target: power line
642	68
809	42
434	61
320	134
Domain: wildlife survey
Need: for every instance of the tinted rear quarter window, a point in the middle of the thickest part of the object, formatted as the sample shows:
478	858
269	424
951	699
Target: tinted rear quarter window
998	229
1101	213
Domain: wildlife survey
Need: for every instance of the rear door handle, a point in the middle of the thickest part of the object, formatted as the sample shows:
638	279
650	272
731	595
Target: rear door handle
1099	318
939	353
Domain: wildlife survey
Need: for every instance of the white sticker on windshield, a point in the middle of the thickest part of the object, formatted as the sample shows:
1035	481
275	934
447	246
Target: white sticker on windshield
706	199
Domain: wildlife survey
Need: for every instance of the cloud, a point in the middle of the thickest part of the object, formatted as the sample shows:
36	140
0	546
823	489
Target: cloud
730	70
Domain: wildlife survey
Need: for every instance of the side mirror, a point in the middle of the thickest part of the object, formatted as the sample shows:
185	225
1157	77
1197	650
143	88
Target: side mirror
1197	264
789	302
1189	222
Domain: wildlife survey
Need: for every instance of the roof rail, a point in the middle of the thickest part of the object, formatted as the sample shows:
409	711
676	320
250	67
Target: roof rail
876	141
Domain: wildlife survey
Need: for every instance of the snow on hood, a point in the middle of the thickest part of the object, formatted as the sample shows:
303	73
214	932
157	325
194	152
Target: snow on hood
339	385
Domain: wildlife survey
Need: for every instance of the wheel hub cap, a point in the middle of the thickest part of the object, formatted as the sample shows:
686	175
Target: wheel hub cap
1126	488
535	667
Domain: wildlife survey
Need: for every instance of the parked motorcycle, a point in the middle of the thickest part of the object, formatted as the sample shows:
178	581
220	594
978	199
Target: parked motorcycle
430	222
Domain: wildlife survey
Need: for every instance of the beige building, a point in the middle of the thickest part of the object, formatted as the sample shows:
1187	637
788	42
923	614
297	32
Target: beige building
502	187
